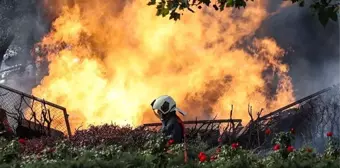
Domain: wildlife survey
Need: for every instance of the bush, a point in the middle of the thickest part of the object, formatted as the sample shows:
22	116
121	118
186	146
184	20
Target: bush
113	146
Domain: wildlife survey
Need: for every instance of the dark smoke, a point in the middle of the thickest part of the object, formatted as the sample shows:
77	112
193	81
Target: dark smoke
313	58
24	21
313	50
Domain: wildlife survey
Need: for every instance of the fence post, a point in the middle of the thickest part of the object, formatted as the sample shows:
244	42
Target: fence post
67	123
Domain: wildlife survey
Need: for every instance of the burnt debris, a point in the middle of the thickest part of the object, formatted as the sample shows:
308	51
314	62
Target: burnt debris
303	115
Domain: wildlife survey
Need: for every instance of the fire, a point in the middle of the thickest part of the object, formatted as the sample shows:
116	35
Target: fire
117	57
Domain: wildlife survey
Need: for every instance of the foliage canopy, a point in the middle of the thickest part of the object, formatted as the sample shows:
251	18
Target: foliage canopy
325	9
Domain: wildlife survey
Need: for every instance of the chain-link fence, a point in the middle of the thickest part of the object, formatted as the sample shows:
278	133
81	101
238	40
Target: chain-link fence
39	115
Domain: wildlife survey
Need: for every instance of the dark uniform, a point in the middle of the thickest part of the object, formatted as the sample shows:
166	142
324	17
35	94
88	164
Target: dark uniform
173	127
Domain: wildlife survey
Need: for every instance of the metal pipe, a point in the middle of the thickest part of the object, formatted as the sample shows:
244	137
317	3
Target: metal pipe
11	68
4	47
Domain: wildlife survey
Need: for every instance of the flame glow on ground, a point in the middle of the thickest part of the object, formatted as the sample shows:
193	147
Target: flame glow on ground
119	57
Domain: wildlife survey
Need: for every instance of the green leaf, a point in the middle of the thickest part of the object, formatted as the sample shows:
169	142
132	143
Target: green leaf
324	2
206	2
230	3
161	10
172	5
160	5
151	2
222	4
175	16
332	13
323	17
165	12
183	6
185	2
215	7
240	3
315	6
302	3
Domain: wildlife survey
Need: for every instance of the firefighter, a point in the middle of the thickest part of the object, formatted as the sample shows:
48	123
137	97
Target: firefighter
165	109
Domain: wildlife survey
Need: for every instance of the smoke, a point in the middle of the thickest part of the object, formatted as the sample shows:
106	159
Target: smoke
24	20
313	58
312	50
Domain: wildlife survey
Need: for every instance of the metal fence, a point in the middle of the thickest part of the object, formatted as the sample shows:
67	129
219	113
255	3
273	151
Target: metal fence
35	113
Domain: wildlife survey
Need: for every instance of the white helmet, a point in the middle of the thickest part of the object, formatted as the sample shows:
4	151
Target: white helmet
163	105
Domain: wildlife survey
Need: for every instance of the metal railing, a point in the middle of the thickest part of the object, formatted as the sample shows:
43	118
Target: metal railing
33	112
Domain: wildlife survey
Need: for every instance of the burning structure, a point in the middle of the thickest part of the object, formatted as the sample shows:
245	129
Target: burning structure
208	61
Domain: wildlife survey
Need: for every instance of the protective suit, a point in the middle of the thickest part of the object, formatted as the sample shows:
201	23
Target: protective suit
173	128
165	109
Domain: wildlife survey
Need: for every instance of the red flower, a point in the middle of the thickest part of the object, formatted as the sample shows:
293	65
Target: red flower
234	145
276	147
170	142
292	131
22	141
202	157
290	148
329	134
268	131
201	154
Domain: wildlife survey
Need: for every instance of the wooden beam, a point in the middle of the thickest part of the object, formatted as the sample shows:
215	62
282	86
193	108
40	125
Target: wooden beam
298	102
283	109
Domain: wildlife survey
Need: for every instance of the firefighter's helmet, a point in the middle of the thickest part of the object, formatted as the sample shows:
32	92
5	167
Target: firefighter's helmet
164	105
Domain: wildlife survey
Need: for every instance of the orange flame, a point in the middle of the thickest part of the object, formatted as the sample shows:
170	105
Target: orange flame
119	57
